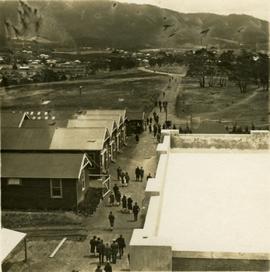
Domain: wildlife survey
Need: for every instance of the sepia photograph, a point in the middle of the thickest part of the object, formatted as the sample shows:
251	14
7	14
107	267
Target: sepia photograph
134	135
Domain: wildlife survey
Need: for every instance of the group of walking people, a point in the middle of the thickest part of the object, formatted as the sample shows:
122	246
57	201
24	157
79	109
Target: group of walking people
155	126
107	251
123	177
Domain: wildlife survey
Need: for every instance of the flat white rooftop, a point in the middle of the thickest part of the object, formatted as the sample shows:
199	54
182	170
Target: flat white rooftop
216	202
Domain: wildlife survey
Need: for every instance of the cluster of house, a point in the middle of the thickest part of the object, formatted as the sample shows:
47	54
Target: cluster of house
50	159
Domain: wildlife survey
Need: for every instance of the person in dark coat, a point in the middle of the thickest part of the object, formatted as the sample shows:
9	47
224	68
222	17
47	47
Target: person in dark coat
135	210
124	203
155	130
137	173
118	197
101	249
115	189
93	246
121	245
129	202
127	178
108	252
97	243
114	247
137	138
111	199
119	171
111	220
141	174
150	120
150	128
160	106
123	179
108	267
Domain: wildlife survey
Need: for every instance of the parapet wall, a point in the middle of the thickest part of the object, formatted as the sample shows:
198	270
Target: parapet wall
256	140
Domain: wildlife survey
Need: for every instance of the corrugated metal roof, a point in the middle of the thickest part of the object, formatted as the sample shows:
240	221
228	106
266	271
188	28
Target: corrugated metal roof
116	117
26	139
79	138
44	123
41	165
135	115
12	119
121	112
93	123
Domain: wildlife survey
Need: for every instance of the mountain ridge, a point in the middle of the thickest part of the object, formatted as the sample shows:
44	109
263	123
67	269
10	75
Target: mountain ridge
102	24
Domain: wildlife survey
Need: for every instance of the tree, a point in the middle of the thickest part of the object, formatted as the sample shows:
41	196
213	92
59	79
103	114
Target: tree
243	70
262	70
202	64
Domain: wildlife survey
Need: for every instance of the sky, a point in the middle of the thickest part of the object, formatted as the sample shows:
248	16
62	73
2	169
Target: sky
257	8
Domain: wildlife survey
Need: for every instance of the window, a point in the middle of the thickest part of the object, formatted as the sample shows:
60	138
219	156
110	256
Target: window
56	188
14	181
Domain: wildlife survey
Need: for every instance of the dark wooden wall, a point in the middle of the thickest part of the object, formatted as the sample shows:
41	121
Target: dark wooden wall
34	194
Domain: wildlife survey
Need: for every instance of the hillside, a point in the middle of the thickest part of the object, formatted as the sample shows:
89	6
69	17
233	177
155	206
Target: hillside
110	24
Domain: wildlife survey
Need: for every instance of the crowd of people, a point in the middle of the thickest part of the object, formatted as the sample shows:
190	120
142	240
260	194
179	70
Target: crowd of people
108	252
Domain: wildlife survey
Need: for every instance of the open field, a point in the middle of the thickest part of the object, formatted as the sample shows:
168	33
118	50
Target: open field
227	104
135	90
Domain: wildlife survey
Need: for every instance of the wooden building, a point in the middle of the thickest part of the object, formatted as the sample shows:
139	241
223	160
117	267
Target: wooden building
135	122
119	116
44	180
93	123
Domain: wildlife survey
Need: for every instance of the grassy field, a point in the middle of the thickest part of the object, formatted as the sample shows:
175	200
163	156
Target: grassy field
132	90
224	104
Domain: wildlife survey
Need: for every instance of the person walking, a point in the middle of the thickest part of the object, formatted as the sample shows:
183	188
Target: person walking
158	137
160	106
155	130
137	138
136	210
118	197
92	246
114	247
100	250
124	203
121	245
127	178
108	267
129	202
119	171
123	179
150	128
111	199
108	252
115	189
137	173
97	243
111	220
141	174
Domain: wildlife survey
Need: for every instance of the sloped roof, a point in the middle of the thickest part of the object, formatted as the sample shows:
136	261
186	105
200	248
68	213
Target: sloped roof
26	139
116	117
135	115
44	123
12	119
41	165
93	123
79	138
9	239
121	112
